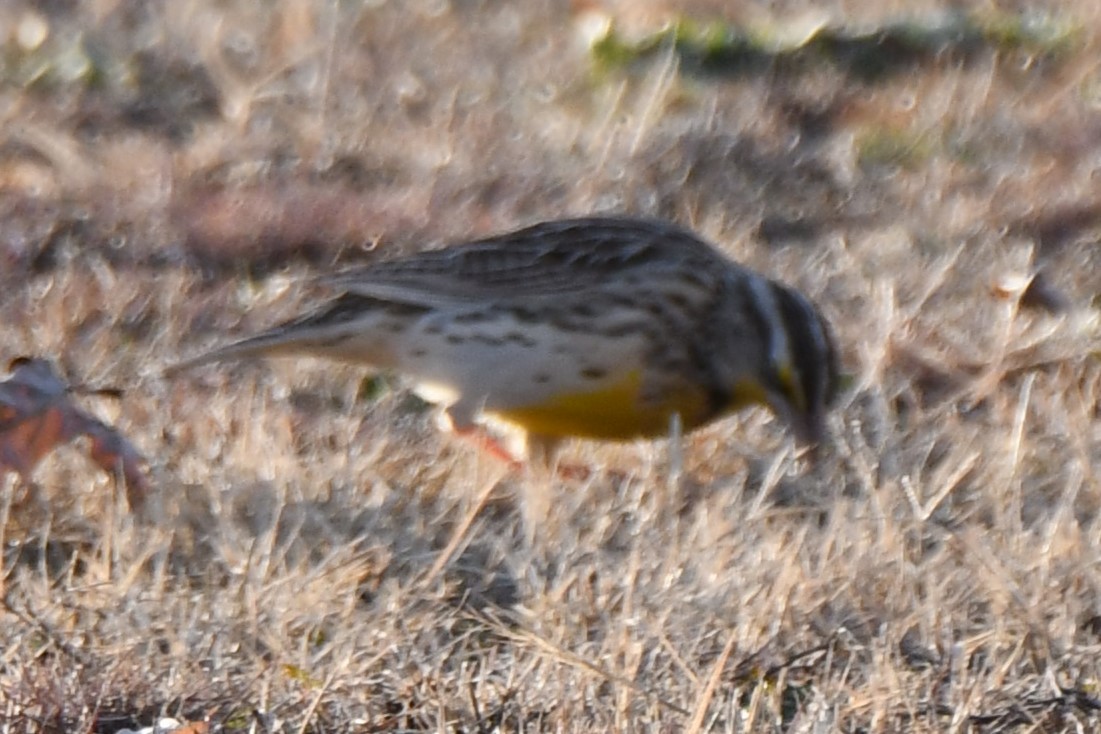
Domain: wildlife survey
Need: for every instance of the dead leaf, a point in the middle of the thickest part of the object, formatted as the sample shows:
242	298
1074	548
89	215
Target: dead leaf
37	415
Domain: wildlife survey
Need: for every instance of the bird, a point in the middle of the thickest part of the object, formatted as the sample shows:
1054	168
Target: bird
605	328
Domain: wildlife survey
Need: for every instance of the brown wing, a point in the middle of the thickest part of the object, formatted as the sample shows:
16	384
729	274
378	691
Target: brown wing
558	257
542	261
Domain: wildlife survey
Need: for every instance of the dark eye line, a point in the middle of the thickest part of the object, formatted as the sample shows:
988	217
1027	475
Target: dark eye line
812	350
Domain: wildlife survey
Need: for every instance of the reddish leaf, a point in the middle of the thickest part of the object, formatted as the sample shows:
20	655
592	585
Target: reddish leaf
36	415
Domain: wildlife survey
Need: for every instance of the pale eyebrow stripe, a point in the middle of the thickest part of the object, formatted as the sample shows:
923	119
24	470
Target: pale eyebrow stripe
815	353
764	299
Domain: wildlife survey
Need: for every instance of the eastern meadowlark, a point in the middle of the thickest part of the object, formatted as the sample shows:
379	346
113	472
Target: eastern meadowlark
601	328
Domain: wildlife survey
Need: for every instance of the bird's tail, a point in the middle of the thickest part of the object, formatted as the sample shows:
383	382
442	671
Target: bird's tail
268	344
350	328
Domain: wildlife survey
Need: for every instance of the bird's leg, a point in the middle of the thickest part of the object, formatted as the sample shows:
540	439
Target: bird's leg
536	450
456	422
542	452
490	444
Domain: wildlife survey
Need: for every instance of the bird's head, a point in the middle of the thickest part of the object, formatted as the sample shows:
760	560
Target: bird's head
803	375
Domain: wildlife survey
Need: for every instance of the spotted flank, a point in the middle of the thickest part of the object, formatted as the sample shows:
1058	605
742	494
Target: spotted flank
599	328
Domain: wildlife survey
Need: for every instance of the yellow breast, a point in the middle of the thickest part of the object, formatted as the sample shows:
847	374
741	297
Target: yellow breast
617	412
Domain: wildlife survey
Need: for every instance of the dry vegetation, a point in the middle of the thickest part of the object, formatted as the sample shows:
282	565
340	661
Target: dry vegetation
315	557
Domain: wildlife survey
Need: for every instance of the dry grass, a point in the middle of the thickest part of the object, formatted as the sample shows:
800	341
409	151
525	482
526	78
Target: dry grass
317	558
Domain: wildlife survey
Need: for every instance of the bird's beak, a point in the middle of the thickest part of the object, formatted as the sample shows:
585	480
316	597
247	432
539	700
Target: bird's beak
809	428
